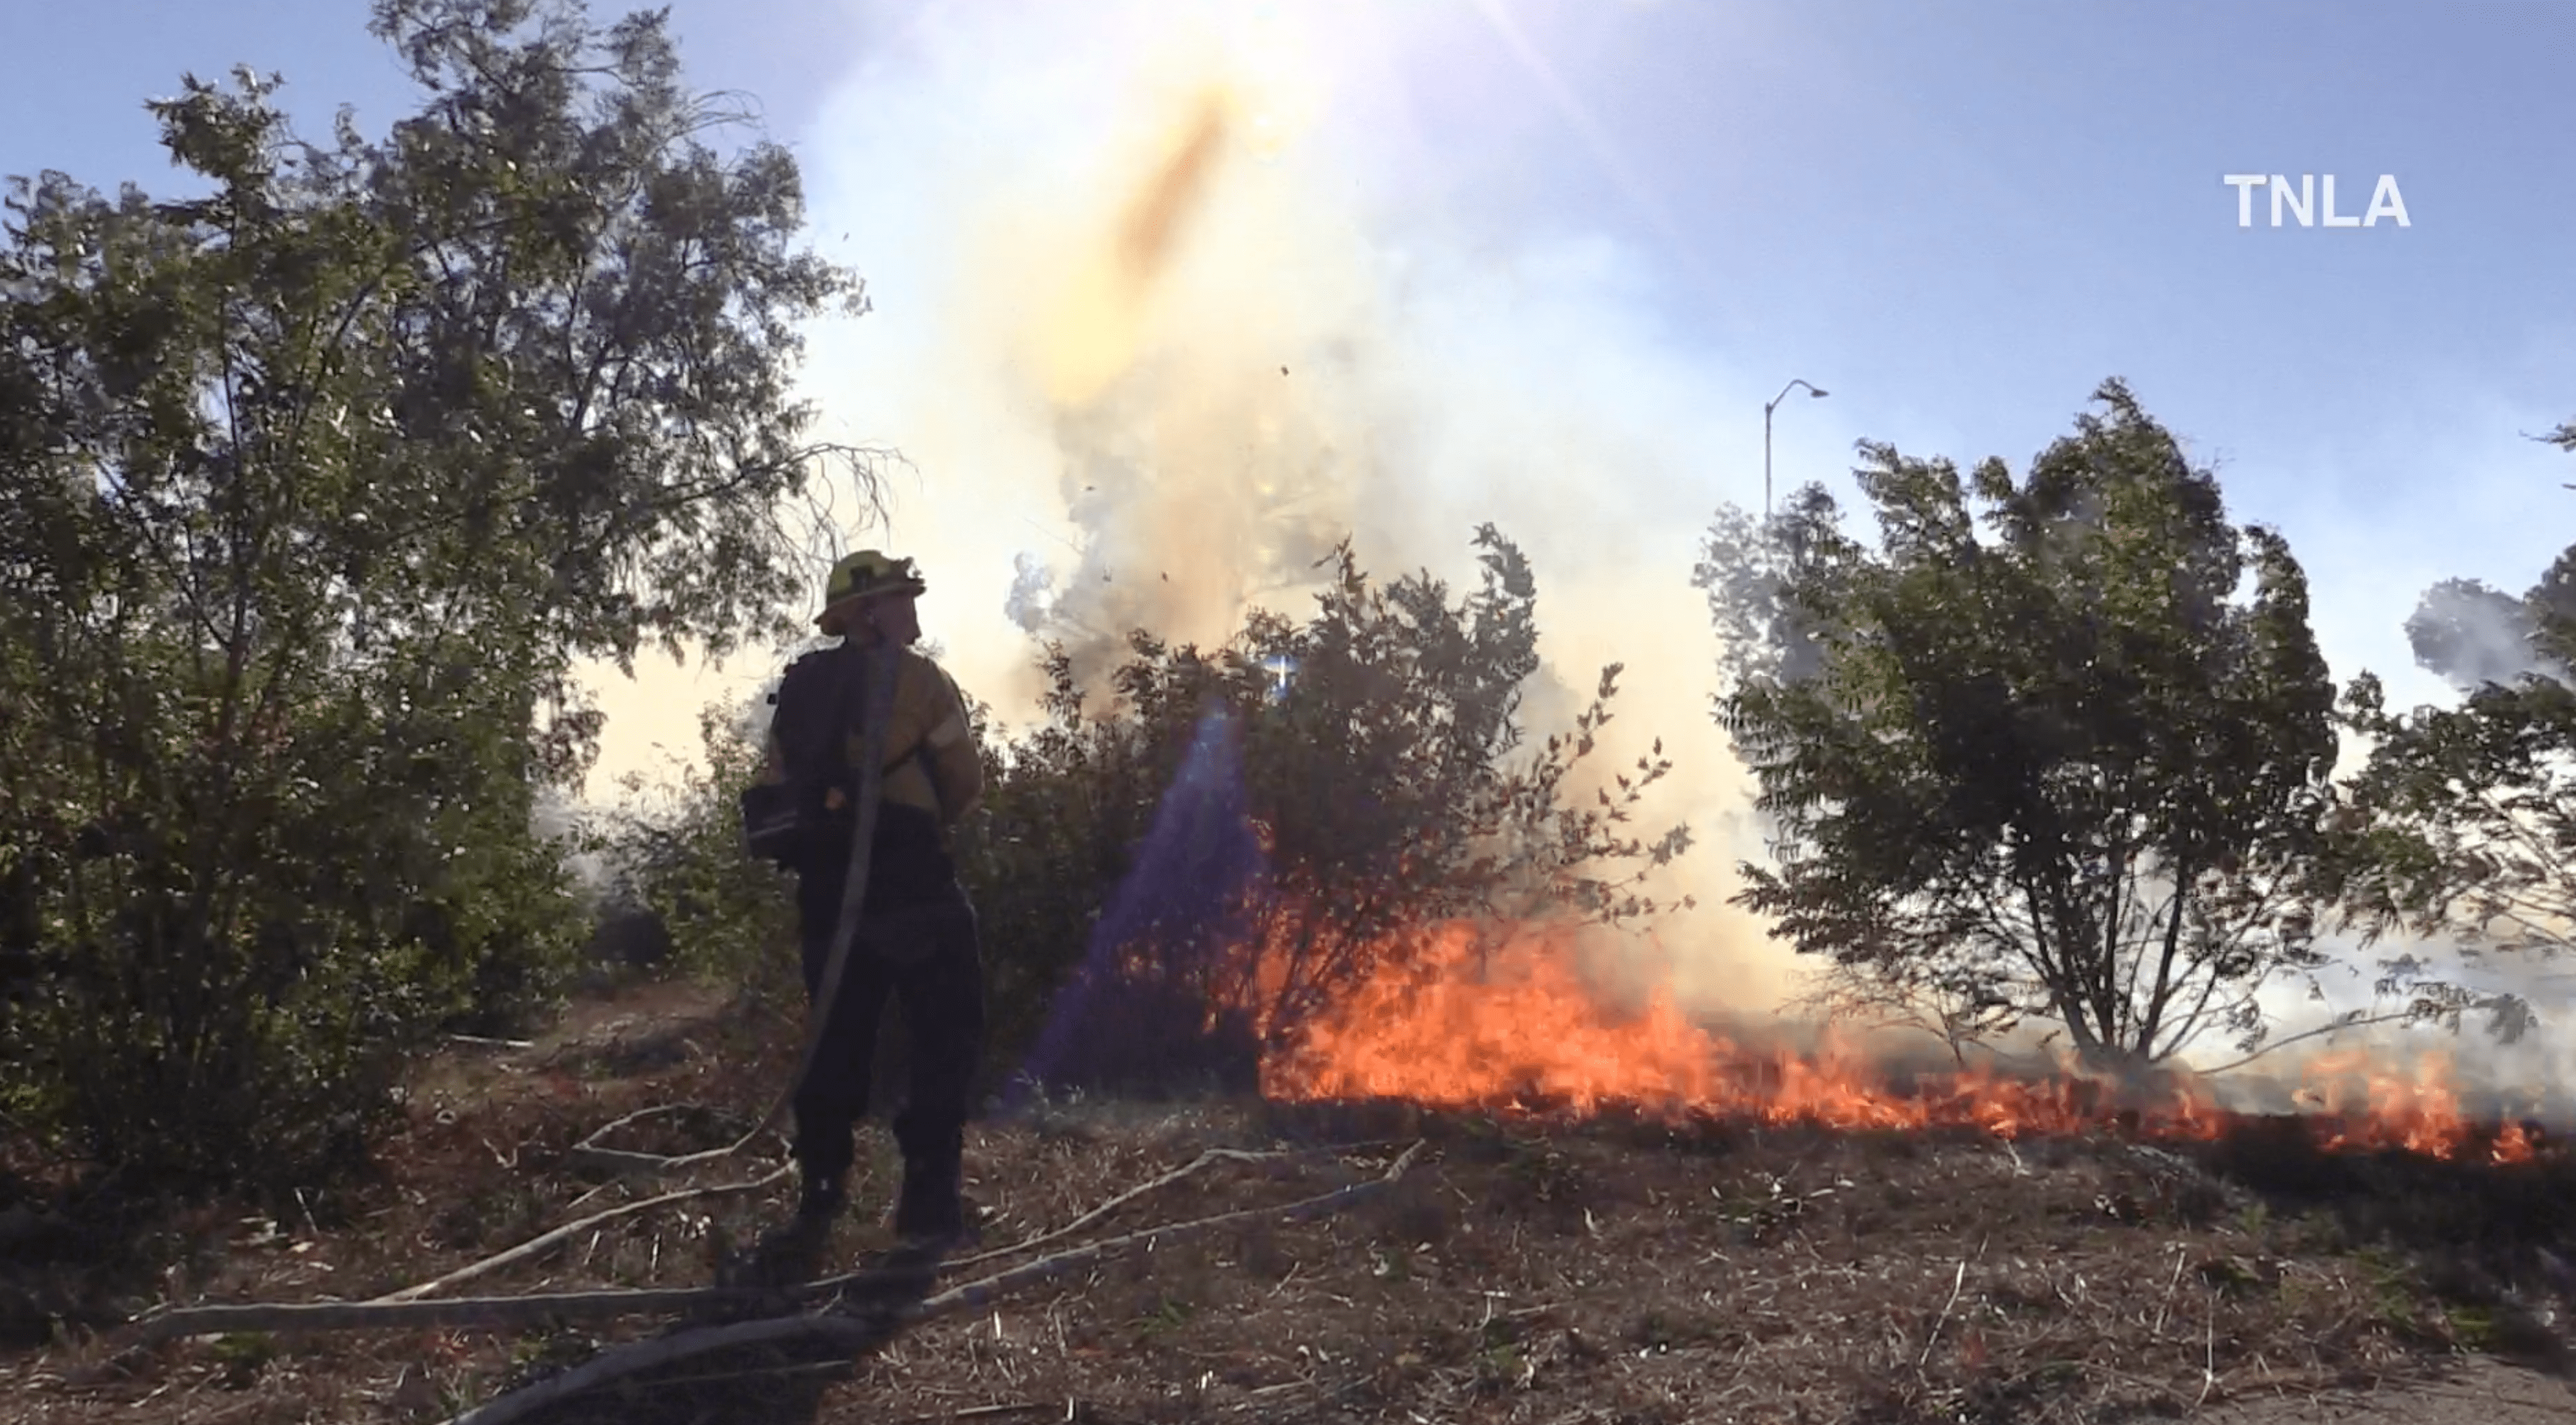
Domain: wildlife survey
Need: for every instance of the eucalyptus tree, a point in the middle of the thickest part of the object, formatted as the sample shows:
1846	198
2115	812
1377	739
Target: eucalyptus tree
2051	749
314	488
2462	823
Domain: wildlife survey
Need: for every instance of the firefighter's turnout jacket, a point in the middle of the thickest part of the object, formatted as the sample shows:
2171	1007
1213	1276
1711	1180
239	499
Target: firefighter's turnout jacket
931	764
933	775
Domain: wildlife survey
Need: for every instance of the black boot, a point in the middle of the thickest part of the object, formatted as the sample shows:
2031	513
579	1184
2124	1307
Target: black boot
822	1201
932	1208
793	1250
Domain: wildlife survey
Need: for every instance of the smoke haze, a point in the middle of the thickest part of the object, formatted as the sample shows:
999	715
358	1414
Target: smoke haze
1155	329
1155	338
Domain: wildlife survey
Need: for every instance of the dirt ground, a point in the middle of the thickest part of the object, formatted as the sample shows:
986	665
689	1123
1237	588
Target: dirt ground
2478	1392
1611	1270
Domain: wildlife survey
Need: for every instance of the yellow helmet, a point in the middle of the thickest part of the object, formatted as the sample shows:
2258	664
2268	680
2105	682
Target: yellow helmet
866	575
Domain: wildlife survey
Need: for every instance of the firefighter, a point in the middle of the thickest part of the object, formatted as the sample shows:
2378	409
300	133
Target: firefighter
916	941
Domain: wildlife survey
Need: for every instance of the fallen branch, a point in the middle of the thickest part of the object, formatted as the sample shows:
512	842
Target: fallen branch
627	1160
470	1310
405	1308
2182	1254
850	1334
1958	1279
1212	1155
537	1244
2208	1354
989	1412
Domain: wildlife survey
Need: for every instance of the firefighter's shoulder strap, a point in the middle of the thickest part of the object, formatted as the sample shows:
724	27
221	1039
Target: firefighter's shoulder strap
815	699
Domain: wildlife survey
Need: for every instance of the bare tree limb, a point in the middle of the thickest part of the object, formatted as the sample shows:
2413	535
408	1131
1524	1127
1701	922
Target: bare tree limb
404	1309
2352	1021
1957	1280
853	1333
542	1241
456	1311
1212	1155
588	1148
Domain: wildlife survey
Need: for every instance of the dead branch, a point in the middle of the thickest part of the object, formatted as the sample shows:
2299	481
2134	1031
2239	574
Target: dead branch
990	1412
850	1333
540	1243
2354	1019
1957	1280
379	1315
481	1042
1212	1155
629	1161
2182	1254
2209	1354
405	1308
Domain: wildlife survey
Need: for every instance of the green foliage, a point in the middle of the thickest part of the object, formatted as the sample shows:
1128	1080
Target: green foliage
2464	819
2070	771
1385	773
311	492
240	1356
729	917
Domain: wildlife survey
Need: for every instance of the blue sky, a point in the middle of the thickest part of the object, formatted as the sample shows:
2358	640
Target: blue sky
1542	261
1956	218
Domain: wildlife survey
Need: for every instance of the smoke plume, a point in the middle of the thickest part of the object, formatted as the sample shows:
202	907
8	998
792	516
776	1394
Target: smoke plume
1157	344
2473	635
1163	310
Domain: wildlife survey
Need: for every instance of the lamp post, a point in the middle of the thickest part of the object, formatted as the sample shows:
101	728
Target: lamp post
1768	407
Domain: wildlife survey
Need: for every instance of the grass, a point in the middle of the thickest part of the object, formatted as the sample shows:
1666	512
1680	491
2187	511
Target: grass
1625	1268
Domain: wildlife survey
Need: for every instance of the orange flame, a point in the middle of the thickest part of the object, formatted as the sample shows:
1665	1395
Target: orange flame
1476	1018
2373	1107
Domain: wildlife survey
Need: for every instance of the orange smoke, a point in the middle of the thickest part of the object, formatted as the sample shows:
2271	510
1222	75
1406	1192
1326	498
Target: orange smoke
1502	1020
1157	210
1100	320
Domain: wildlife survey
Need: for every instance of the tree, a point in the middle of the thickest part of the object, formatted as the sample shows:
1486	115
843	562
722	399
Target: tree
2463	821
312	490
1372	763
677	872
2069	771
1208	854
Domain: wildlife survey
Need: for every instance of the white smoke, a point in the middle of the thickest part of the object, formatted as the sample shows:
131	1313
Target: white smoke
1135	298
1032	597
2474	635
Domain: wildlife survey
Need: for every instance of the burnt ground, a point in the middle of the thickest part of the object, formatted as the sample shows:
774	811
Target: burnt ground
1609	1270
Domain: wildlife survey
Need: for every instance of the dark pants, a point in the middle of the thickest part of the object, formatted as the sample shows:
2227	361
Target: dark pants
925	958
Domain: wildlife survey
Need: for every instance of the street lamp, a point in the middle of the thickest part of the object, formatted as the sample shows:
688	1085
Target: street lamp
1769	406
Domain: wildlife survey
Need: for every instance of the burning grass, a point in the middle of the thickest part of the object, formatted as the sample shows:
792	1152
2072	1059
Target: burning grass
1610	1220
1471	1019
1634	1265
